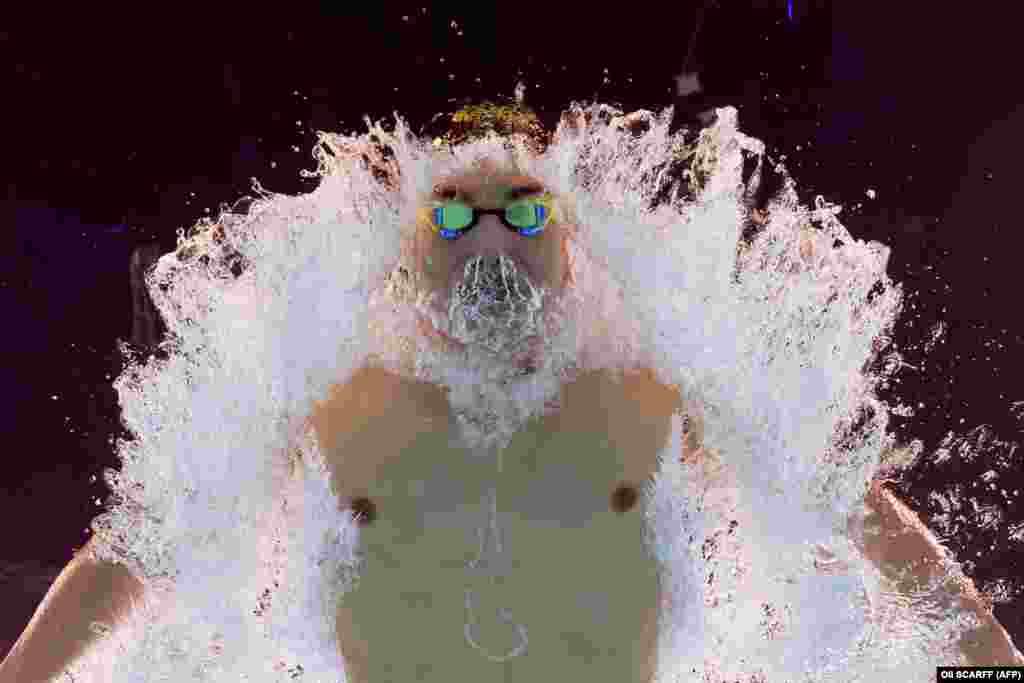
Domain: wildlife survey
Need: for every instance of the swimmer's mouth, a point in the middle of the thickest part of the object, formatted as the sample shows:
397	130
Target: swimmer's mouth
492	304
495	286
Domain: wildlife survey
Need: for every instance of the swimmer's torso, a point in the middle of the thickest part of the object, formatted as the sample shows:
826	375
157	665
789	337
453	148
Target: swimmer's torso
574	569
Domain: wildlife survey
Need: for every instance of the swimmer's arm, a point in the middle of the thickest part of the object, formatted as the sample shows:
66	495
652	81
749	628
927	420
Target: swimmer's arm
86	591
908	555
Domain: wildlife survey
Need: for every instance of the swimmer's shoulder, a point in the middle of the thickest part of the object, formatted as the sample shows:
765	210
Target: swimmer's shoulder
377	415
622	399
373	417
632	409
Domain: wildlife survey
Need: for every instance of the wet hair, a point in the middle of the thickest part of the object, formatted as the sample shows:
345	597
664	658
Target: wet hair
474	121
512	122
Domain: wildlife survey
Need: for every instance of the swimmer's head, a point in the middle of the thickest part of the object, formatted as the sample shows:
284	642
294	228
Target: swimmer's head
489	253
492	282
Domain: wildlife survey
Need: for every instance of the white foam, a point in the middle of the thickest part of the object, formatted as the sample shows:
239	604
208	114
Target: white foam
772	363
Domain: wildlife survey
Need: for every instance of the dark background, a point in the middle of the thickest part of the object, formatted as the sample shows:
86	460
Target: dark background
122	129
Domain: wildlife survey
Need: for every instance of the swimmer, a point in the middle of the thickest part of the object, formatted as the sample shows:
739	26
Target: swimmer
492	259
494	264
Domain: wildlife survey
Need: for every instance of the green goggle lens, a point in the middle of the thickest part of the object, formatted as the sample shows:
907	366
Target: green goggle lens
527	217
525	214
452	216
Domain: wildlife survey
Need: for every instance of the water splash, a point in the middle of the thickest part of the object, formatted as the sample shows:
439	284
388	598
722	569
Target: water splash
491	563
495	305
769	342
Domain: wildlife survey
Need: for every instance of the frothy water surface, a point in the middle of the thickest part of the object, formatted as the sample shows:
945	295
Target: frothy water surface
247	562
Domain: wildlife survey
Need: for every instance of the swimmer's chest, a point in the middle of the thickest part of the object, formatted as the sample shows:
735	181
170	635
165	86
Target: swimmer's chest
569	518
379	429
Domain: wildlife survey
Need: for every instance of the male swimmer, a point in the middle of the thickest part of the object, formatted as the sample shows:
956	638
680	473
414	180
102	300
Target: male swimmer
558	583
530	566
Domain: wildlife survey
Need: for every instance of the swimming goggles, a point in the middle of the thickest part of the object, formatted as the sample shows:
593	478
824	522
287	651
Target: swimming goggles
527	216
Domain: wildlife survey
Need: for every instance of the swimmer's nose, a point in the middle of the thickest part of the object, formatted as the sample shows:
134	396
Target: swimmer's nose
491	237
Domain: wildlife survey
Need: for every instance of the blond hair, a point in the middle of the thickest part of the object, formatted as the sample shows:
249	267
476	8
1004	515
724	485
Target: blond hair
475	121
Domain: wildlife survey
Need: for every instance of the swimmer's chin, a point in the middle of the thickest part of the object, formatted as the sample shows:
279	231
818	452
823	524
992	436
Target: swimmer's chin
526	352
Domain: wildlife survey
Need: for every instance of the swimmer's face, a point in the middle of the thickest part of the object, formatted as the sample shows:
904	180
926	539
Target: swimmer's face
534	267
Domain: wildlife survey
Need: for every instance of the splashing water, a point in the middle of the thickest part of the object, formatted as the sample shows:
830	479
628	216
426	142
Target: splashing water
489	563
494	305
223	505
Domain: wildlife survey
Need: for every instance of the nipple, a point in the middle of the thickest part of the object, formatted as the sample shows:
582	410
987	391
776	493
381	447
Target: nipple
491	564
